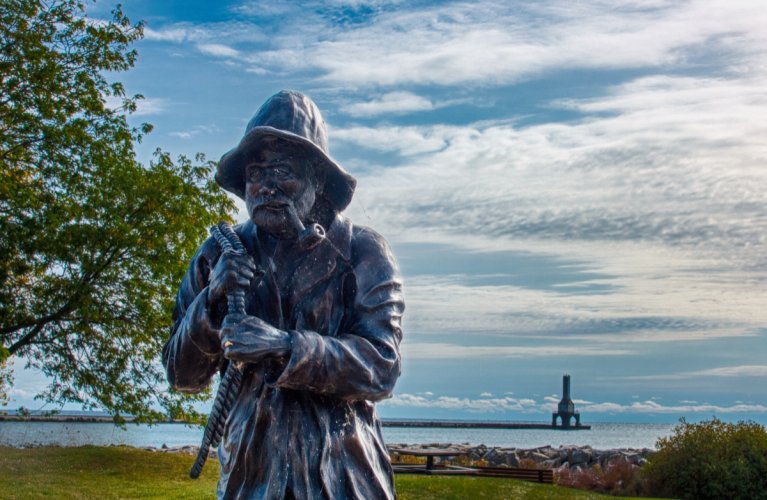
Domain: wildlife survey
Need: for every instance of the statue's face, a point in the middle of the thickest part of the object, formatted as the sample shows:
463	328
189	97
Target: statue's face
274	178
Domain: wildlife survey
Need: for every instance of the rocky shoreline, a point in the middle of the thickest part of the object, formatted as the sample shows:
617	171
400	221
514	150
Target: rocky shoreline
546	457
574	458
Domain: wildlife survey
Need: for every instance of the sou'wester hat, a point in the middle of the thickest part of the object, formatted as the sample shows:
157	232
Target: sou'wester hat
291	116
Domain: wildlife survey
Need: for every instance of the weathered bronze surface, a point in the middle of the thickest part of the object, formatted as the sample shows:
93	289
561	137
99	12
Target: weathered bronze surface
319	341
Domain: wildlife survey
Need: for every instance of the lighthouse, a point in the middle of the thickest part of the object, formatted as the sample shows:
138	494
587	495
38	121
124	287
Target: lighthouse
566	409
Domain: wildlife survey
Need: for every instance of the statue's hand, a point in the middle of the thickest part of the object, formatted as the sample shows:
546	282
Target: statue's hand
231	272
252	340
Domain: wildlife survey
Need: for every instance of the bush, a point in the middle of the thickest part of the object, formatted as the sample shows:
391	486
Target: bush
710	459
619	477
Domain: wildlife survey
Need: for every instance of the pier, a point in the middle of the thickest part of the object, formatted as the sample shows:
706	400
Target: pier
472	424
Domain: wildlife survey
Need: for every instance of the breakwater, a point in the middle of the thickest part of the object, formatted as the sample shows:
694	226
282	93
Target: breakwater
546	457
471	424
406	423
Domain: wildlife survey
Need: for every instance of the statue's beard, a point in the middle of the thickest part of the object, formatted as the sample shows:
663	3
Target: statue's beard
273	221
272	214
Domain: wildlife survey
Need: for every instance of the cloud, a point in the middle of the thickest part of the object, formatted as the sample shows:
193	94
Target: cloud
495	42
437	350
195	131
653	408
406	141
452	305
392	102
725	371
17	392
482	405
177	34
376	44
264	8
206	33
182	135
217	49
144	107
526	405
660	168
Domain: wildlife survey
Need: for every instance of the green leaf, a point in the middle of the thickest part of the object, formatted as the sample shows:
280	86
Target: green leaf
93	242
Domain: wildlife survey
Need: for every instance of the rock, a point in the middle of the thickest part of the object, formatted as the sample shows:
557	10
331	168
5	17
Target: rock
578	468
576	456
538	457
548	451
573	458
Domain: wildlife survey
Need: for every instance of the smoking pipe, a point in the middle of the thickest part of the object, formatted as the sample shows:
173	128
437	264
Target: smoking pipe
308	236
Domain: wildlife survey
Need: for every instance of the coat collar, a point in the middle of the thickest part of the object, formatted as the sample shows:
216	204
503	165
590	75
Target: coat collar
318	265
338	235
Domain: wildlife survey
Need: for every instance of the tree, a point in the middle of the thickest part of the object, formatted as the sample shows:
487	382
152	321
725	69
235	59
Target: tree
93	244
710	459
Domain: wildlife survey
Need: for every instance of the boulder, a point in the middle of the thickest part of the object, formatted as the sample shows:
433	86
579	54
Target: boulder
537	457
576	456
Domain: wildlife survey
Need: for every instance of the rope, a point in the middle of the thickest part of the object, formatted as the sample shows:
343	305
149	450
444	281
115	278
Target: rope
229	387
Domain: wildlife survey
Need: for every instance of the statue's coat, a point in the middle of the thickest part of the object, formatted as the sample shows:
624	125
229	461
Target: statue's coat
305	427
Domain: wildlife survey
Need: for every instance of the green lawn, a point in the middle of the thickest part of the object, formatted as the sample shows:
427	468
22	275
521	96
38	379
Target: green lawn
122	472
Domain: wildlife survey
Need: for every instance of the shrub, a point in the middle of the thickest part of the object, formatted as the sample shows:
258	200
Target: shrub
710	460
619	477
529	463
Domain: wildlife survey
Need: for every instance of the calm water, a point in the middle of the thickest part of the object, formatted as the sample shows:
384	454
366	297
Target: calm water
601	436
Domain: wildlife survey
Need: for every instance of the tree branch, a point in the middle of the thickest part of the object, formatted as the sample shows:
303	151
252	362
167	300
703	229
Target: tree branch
41	322
26	338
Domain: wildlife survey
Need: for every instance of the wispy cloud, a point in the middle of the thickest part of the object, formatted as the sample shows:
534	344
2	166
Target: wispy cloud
374	44
206	33
218	50
497	42
405	141
144	107
151	106
195	131
451	306
725	371
392	102
479	405
664	171
182	134
653	407
437	350
549	403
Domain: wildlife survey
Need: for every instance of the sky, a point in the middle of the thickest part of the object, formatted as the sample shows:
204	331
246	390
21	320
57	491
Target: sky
569	187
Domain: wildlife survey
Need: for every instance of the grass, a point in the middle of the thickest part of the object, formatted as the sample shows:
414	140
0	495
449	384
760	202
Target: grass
122	472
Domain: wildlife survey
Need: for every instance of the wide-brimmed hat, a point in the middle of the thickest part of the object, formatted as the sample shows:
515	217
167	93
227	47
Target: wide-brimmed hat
293	117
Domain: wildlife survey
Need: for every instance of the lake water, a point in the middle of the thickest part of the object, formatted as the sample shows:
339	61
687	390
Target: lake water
601	436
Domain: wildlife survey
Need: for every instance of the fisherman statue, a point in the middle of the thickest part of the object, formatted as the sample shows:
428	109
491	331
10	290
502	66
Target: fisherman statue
301	310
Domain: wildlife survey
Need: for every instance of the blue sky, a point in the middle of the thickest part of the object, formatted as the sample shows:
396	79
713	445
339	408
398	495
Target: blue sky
570	187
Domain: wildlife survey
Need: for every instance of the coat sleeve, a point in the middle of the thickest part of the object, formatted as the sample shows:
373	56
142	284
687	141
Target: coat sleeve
192	354
363	362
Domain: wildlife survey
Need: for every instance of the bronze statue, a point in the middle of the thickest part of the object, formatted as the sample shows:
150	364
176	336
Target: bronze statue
318	342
